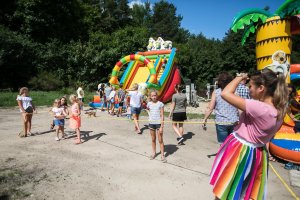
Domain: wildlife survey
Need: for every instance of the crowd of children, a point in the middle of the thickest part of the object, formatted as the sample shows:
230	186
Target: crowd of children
240	168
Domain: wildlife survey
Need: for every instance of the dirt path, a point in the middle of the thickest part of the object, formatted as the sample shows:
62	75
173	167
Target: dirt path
112	163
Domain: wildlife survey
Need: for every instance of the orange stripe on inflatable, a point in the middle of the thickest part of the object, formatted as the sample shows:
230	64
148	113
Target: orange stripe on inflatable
286	129
147	53
285	154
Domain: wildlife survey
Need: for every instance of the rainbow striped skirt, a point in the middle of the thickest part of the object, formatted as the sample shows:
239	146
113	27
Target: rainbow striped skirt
240	170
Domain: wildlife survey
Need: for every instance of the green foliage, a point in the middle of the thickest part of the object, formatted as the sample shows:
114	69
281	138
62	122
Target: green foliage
42	98
45	81
54	45
288	8
165	23
18	58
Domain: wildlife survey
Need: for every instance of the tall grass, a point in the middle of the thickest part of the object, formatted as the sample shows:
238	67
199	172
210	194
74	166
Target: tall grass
40	98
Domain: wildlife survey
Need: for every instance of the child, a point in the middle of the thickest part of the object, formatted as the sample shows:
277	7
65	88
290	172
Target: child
156	124
136	99
241	165
121	98
26	108
128	109
59	113
75	120
63	104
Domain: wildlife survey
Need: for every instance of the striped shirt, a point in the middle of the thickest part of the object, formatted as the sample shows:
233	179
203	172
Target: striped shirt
154	112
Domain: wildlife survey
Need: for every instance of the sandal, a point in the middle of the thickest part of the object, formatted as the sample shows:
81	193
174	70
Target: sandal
151	157
163	160
271	158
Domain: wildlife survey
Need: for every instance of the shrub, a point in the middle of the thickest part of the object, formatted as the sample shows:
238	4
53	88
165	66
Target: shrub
46	81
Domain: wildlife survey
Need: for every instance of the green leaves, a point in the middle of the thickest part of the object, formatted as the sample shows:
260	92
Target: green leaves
247	17
289	8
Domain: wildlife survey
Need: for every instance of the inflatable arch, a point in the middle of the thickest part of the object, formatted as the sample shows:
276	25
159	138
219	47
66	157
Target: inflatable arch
153	76
273	50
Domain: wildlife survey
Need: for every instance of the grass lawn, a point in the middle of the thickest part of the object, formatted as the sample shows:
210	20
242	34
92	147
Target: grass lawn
40	98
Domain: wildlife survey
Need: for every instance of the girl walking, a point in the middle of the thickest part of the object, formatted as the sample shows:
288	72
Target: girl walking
26	108
75	119
240	167
178	111
156	124
59	113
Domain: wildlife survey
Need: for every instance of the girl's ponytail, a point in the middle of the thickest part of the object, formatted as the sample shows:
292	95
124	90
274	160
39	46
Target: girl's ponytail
276	87
281	95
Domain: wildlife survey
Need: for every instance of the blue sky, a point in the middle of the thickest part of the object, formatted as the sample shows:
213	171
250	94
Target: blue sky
213	18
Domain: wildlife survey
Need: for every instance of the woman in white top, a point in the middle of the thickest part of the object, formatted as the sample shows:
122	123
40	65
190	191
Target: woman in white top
135	105
26	108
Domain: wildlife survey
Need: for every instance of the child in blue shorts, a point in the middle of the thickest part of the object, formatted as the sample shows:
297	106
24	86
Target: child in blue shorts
59	118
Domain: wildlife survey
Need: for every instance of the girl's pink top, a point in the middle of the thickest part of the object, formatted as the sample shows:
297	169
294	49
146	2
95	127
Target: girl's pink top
258	124
74	108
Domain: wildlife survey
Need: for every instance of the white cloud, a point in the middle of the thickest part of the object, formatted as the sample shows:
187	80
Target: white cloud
135	2
138	2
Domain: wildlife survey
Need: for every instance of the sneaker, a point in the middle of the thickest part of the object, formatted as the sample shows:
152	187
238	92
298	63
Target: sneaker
56	138
180	140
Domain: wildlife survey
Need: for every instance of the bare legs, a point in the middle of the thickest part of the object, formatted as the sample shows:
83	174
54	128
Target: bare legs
78	141
179	130
27	123
161	143
136	123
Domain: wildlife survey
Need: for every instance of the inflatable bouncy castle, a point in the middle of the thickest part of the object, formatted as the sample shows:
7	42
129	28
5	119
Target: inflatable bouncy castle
273	50
152	69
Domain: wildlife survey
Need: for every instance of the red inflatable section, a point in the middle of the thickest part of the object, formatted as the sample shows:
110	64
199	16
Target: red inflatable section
169	89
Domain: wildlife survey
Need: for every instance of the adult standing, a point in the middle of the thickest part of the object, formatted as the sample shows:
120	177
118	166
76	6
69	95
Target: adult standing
227	115
242	90
101	95
178	111
136	99
107	91
80	96
240	168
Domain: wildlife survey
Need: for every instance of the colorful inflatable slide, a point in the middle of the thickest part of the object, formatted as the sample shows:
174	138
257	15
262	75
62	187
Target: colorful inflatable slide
164	72
155	69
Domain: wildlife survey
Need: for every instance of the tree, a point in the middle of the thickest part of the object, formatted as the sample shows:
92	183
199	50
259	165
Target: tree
164	21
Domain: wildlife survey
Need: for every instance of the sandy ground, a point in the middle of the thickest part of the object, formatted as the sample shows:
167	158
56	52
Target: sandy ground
112	163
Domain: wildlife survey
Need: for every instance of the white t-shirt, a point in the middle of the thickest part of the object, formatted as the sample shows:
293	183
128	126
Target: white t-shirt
112	95
154	112
135	98
80	93
26	101
57	111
